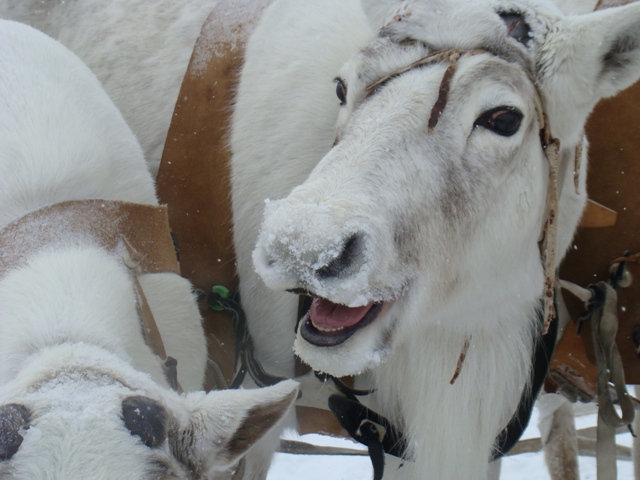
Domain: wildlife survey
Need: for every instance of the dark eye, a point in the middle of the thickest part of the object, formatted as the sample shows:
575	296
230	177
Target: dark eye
341	91
504	121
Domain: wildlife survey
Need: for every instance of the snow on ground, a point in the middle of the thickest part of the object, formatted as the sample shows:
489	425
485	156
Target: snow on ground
528	466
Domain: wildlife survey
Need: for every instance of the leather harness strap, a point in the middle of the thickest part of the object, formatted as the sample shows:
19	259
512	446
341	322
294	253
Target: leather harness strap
102	222
194	179
150	330
139	234
194	174
601	300
602	4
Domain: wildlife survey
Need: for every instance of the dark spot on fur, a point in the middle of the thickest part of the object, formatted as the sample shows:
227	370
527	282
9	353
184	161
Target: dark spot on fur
455	198
145	418
443	94
404	238
517	27
161	469
301	291
6	471
399	237
13	419
409	42
621	51
181	442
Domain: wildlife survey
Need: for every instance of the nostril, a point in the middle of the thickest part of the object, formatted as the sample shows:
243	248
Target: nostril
351	251
263	257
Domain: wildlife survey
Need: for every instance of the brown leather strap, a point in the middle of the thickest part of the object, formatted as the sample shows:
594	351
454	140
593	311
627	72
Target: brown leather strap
103	222
139	233
194	173
571	372
193	179
604	327
150	330
606	455
602	4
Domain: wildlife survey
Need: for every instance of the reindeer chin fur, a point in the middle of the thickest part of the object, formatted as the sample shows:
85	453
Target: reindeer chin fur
366	349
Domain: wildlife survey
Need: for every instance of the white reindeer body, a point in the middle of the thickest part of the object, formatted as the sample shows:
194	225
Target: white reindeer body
418	239
439	230
138	49
82	396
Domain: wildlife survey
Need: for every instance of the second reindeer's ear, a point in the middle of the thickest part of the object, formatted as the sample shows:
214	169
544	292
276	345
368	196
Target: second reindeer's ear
585	58
381	12
223	425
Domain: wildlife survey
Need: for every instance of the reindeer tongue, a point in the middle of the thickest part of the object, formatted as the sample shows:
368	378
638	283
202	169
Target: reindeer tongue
328	315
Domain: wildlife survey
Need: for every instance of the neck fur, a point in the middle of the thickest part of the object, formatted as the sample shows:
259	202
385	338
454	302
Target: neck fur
55	299
453	426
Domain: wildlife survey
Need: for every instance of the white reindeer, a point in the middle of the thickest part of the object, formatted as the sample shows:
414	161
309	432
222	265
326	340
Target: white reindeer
81	394
436	231
138	49
418	239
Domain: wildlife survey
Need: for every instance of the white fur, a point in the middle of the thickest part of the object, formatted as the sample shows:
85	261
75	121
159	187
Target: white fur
479	275
559	437
138	49
573	7
71	346
468	205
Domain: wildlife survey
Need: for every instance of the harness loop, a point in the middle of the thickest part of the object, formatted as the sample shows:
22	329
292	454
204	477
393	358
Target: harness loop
245	361
371	429
604	327
131	258
601	301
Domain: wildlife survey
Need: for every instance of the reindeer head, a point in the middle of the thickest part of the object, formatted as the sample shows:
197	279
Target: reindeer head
435	191
90	415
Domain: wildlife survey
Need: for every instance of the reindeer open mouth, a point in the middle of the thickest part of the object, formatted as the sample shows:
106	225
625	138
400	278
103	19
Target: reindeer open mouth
328	324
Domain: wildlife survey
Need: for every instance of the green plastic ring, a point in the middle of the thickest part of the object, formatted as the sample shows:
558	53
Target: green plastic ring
223	292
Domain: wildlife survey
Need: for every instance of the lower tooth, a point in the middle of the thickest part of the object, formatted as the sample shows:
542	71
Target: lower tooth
327	329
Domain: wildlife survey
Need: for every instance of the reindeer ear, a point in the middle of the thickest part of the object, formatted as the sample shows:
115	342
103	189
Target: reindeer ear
618	47
382	12
223	425
585	58
603	46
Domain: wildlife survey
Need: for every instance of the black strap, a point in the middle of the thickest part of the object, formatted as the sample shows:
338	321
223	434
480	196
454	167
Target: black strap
380	436
171	372
245	360
369	428
348	391
351	413
364	425
541	362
